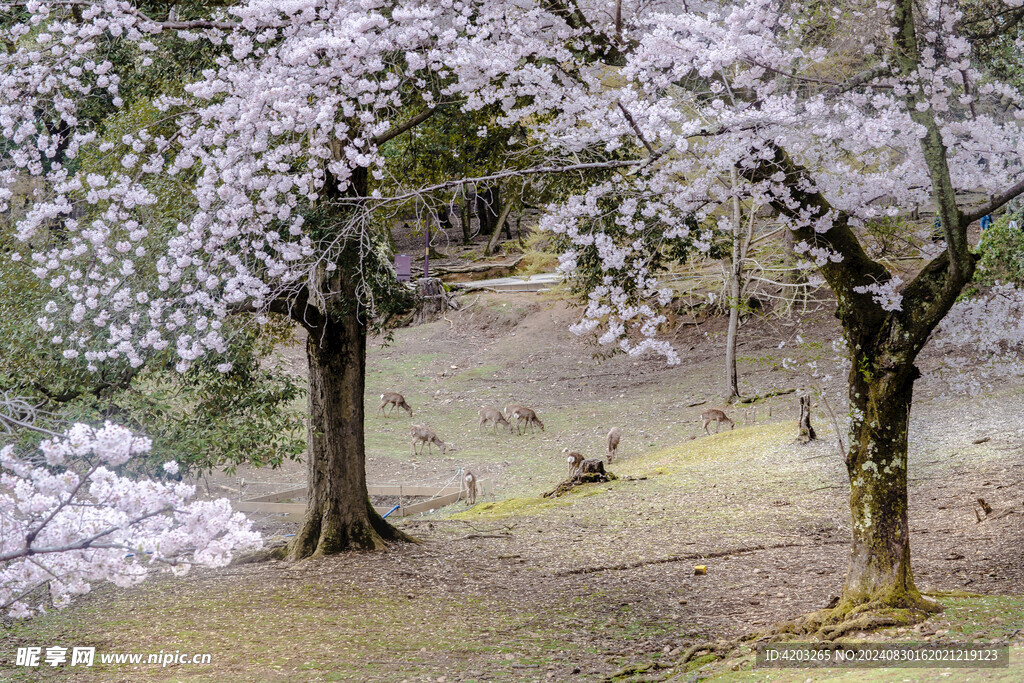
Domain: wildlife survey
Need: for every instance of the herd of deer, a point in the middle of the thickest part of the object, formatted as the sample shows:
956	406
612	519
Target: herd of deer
421	434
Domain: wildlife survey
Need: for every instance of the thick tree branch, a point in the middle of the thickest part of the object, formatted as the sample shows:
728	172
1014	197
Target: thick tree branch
858	80
294	306
393	133
859	314
89	542
996	203
931	294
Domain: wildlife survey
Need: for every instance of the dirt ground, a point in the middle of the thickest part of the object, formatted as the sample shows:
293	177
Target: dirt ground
526	588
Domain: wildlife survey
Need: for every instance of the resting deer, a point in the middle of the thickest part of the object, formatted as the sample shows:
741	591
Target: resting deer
574	459
494	416
471	482
425	435
716	416
613	442
523	414
396	401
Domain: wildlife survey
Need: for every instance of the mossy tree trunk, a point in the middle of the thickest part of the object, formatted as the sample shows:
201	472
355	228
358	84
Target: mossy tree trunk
884	345
879	570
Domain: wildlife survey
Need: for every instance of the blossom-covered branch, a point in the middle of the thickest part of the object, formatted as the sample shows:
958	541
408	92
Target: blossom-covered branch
72	520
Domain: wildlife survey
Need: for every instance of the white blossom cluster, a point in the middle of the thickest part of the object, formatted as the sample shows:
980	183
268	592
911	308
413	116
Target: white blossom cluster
68	521
981	339
713	91
885	294
300	99
305	91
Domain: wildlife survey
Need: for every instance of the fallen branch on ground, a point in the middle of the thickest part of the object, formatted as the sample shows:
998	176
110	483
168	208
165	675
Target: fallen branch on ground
761	397
696	556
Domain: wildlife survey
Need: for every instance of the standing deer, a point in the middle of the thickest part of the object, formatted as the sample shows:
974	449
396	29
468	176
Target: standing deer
613	442
396	401
425	435
574	459
716	416
495	417
471	483
523	414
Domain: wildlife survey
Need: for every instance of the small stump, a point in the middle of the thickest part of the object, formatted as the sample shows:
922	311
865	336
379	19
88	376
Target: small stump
590	472
432	300
805	433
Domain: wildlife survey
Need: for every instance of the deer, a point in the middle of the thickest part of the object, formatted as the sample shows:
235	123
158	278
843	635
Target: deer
613	442
511	408
716	416
495	417
425	435
574	459
524	414
470	480
396	401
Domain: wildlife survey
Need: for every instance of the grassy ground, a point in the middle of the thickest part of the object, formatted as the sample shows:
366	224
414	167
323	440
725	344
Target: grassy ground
579	587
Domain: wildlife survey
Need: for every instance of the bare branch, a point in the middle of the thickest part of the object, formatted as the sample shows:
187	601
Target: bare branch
513	173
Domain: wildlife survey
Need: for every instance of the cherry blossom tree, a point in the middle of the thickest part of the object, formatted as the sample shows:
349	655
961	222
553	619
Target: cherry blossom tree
830	134
68	520
281	143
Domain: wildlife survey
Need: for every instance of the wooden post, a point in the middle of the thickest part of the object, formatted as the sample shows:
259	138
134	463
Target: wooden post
426	250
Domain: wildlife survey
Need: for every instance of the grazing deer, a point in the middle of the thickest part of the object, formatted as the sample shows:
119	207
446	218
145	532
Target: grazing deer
716	416
613	442
425	435
396	401
574	459
471	483
495	417
523	414
511	408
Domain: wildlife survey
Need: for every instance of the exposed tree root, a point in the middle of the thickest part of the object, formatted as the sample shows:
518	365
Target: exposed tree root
828	624
846	617
634	669
718	648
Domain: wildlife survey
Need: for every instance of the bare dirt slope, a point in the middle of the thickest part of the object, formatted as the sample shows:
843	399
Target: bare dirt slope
524	588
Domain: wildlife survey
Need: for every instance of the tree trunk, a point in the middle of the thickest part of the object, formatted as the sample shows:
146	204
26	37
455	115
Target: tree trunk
879	571
480	209
466	217
735	285
338	515
492	243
